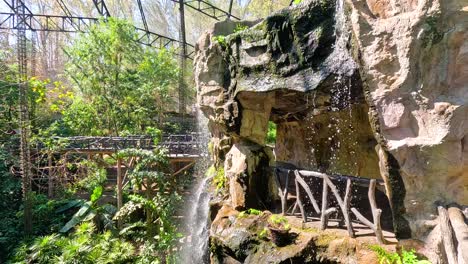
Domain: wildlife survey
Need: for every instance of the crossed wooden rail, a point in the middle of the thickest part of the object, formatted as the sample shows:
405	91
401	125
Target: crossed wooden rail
343	202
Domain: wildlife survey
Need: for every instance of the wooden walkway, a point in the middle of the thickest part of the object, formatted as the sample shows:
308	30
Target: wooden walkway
181	147
305	192
183	153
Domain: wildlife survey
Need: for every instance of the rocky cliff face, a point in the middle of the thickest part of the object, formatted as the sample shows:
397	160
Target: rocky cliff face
374	89
414	58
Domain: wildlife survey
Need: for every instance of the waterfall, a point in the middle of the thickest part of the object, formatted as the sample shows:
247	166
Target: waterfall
195	250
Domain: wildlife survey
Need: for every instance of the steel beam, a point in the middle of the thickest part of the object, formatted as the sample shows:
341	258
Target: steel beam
82	24
102	8
207	9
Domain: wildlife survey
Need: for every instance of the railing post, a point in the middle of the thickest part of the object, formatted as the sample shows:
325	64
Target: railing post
299	201
119	189
50	189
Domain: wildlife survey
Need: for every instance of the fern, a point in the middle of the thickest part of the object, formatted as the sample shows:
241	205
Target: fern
406	257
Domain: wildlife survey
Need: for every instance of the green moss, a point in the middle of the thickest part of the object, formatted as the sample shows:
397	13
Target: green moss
310	230
432	35
263	234
250	211
220	179
271	134
324	239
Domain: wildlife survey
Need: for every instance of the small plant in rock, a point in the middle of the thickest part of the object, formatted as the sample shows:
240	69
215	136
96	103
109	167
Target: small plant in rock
219	179
279	230
406	257
279	222
263	235
250	211
221	40
240	27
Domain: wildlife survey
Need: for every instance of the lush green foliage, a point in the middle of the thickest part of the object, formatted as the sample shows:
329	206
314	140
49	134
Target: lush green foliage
160	199
120	82
10	201
406	257
121	88
83	246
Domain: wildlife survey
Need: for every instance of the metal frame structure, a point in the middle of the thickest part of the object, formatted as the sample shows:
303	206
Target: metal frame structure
68	23
209	9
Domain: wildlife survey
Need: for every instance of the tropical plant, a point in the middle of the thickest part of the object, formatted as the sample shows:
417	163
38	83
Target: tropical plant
82	246
150	173
90	211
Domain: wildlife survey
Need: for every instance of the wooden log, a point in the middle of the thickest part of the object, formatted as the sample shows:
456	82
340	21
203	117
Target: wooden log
447	236
294	208
376	213
324	216
186	167
460	228
344	204
285	194
308	191
282	193
299	202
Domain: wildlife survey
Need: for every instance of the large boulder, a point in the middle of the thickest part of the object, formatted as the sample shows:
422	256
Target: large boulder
414	56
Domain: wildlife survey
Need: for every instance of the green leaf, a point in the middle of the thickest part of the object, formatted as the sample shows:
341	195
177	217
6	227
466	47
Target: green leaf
69	205
76	218
97	193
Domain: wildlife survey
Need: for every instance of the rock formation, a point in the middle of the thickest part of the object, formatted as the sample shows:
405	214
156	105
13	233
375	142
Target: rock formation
375	89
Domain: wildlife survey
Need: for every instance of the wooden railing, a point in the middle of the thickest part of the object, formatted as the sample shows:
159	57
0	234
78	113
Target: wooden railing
343	202
193	144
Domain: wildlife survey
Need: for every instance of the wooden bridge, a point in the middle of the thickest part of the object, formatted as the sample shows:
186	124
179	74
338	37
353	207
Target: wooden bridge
181	147
52	159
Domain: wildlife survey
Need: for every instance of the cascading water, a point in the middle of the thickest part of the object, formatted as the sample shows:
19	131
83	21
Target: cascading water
195	250
341	63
